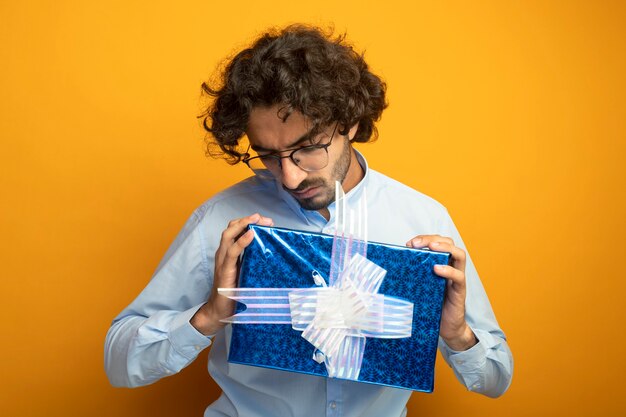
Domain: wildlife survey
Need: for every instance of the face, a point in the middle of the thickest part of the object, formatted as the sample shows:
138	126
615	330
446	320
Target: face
314	190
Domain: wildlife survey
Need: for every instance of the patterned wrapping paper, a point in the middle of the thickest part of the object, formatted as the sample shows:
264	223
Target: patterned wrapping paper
283	258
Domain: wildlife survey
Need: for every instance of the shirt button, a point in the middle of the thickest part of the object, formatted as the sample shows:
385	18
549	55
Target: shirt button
197	347
460	362
476	386
332	405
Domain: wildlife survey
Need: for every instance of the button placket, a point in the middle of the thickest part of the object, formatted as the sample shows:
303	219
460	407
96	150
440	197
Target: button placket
333	397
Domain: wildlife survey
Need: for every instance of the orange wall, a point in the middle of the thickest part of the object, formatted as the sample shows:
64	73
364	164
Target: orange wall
510	113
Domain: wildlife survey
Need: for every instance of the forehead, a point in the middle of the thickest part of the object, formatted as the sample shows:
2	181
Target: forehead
269	129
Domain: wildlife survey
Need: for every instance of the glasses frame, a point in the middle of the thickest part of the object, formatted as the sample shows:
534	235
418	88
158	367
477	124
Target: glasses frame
276	155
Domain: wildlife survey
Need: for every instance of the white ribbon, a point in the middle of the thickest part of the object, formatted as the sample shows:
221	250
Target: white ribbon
338	318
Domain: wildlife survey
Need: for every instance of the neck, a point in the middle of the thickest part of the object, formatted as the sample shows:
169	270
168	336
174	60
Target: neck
354	175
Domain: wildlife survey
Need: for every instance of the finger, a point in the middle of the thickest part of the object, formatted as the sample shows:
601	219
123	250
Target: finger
226	270
236	227
265	221
458	254
233	252
233	231
421	241
451	273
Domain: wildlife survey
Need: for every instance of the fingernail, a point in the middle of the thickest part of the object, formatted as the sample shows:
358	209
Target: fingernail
440	267
434	244
417	241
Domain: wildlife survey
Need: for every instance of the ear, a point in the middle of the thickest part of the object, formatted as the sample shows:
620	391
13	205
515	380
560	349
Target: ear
352	131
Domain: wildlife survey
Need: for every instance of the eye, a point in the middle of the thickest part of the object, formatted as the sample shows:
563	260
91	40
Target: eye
268	157
308	150
269	160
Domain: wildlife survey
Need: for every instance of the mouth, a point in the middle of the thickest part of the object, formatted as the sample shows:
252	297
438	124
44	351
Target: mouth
306	193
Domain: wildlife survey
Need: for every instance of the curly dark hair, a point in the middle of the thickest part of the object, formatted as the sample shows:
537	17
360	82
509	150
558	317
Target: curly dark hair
301	68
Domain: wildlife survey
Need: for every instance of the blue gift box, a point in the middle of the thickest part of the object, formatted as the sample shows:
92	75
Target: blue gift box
283	258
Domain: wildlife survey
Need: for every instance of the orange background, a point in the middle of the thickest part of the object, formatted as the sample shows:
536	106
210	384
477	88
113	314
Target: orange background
512	114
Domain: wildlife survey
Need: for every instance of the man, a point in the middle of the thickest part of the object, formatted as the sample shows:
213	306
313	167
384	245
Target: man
301	99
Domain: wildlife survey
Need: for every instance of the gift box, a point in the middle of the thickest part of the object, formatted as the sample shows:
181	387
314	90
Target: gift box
288	259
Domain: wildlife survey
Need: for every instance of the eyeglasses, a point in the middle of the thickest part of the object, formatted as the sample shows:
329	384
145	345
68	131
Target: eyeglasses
308	158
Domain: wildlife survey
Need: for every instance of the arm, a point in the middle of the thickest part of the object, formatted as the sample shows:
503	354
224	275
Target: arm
471	340
152	337
172	320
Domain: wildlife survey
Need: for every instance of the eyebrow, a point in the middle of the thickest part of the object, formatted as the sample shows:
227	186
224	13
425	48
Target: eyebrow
291	146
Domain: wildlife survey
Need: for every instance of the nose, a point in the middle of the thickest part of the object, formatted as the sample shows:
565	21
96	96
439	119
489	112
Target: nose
291	174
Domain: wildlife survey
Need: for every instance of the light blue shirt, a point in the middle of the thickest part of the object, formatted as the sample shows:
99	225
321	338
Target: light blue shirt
152	338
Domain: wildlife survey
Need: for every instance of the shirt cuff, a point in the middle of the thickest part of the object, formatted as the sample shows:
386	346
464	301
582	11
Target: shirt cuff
185	338
467	361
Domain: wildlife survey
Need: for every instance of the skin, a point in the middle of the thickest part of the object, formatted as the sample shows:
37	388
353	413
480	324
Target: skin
453	329
267	131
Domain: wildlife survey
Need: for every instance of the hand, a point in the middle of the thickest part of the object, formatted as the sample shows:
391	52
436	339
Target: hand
454	329
233	242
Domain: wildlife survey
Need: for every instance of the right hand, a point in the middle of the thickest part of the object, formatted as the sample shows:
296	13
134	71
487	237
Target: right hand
233	242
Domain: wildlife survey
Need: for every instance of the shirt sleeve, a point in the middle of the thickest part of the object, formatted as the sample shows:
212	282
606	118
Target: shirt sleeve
487	367
152	337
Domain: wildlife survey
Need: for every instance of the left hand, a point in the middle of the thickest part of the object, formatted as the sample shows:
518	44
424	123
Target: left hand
454	329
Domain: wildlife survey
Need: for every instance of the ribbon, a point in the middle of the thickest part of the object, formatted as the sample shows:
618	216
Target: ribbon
337	318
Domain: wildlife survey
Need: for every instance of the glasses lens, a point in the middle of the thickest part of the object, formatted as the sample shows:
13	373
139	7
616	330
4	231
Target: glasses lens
311	158
257	163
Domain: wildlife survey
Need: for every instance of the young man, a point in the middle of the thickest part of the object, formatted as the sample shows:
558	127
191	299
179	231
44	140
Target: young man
301	99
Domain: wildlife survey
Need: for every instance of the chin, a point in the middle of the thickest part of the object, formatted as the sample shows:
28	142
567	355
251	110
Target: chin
311	205
317	203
